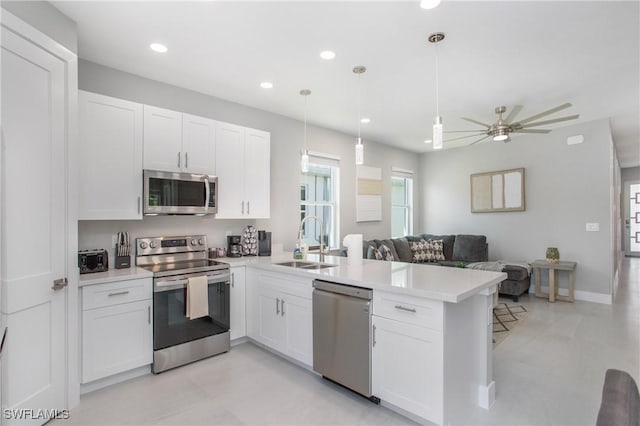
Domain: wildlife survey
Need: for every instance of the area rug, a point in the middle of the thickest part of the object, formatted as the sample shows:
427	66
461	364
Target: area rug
505	319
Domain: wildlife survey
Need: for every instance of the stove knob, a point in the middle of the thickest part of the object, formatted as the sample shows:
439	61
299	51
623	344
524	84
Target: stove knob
193	242
143	245
200	242
153	244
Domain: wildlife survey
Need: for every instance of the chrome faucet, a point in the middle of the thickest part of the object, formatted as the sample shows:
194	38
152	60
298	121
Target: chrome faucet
322	246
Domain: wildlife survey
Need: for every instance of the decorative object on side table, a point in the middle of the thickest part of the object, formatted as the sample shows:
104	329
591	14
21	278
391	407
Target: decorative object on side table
250	241
553	255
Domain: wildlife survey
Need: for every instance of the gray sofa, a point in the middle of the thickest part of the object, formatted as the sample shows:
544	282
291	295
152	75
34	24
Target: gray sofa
458	250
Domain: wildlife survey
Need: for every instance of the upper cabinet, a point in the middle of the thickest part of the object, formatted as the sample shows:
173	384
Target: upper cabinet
110	158
177	142
243	170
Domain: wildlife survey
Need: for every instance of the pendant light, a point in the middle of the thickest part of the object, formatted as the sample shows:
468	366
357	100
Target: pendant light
437	122
359	70
304	154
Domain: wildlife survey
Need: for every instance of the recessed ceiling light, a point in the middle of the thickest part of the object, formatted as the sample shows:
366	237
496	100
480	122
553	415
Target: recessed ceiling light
157	47
327	54
365	120
428	141
266	85
429	4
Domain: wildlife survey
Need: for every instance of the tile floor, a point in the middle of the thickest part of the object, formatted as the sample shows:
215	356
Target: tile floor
548	371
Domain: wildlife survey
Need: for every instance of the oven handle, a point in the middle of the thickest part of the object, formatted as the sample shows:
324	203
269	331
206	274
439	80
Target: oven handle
173	284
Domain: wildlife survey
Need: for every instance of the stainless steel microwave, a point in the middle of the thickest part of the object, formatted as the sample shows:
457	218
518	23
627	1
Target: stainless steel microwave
179	193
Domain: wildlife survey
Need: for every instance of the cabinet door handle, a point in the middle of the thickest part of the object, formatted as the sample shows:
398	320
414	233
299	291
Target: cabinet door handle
186	160
404	308
282	307
248	207
119	293
277	306
178	160
243	207
233	279
149	314
139	204
374	334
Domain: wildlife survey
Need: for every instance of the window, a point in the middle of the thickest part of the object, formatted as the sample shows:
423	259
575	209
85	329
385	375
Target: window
401	202
319	197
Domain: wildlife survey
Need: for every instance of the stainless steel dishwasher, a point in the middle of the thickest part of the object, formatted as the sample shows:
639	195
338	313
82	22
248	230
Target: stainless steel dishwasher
342	335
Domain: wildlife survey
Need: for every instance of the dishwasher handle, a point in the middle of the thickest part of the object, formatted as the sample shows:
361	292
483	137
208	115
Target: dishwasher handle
347	290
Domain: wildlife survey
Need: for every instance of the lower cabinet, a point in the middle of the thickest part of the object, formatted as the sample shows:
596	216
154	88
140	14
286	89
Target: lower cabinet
238	320
407	367
279	313
117	328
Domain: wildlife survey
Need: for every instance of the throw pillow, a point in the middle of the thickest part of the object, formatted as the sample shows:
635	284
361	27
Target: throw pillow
437	249
374	253
386	253
419	249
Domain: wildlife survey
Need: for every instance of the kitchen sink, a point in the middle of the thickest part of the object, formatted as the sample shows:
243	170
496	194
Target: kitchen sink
305	265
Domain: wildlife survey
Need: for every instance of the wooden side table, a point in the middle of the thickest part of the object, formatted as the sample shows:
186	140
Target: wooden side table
553	268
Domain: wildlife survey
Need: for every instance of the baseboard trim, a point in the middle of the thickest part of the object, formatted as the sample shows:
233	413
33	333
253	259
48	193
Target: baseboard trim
116	378
487	395
584	296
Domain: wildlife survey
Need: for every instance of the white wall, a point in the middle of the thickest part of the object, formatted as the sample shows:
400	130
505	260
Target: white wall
565	187
286	141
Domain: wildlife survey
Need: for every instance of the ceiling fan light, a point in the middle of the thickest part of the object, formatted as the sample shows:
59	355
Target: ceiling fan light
501	137
437	133
429	4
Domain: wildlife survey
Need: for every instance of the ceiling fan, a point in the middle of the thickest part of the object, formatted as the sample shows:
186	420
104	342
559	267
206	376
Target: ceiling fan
501	129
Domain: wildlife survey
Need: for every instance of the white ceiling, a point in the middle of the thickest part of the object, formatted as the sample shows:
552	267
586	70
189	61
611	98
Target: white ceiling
536	54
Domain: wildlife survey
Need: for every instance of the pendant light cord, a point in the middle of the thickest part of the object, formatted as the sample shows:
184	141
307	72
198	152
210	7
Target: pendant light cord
437	84
305	124
359	118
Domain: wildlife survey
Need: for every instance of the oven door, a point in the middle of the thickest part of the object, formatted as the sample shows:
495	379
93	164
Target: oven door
179	193
170	324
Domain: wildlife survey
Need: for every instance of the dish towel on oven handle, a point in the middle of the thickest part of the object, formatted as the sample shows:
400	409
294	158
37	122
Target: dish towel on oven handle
197	297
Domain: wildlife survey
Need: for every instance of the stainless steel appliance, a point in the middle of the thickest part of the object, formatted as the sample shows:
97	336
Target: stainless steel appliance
264	243
342	335
96	260
234	245
178	340
179	193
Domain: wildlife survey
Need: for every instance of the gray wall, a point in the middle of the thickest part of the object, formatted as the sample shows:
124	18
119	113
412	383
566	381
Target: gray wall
565	187
46	18
286	141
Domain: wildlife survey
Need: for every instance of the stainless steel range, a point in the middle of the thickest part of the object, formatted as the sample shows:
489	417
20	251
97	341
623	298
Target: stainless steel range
176	262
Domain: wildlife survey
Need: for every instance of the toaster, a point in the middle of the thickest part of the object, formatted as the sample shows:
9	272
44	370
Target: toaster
96	260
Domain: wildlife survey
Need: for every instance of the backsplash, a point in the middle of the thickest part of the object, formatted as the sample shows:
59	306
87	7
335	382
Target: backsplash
97	233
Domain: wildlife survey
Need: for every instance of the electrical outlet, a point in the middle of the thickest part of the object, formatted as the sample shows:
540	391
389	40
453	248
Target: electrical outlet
593	227
114	240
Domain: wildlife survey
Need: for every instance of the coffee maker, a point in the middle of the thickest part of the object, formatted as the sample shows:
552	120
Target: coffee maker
264	243
234	246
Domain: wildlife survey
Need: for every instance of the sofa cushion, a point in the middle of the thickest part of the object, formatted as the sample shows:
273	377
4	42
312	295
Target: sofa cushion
620	403
516	273
386	252
390	246
365	247
470	248
374	253
447	243
436	247
421	251
403	249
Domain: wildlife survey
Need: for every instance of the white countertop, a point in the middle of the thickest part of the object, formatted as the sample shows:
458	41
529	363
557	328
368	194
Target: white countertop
113	275
422	280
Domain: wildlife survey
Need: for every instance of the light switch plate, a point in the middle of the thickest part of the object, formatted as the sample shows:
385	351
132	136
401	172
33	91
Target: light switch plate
593	227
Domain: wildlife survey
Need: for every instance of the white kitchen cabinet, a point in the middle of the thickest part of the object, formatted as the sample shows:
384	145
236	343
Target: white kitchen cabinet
238	311
117	331
407	367
243	170
110	158
279	313
177	142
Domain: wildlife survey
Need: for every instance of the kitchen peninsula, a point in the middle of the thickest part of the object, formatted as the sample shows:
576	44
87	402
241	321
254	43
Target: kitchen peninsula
432	343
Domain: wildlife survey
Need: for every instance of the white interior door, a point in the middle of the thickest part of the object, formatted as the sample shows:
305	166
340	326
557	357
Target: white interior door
33	216
632	221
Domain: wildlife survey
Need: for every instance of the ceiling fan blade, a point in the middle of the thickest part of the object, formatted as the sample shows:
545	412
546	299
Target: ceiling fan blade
479	140
488	126
464	131
463	137
545	113
514	111
532	131
555	120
